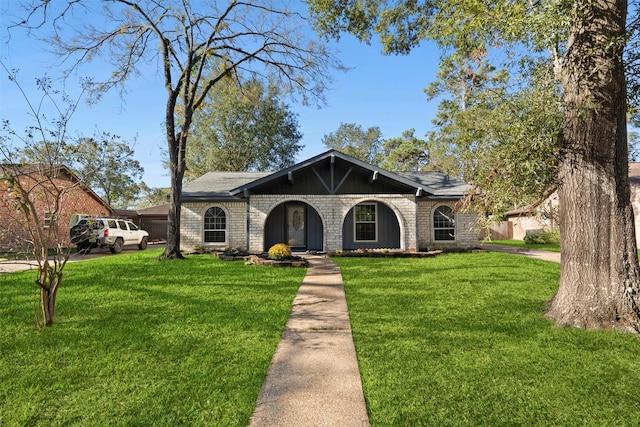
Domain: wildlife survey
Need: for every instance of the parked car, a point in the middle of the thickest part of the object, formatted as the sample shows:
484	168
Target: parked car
113	233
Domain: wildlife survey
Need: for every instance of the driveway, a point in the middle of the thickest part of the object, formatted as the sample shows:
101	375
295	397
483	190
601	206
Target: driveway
22	265
531	253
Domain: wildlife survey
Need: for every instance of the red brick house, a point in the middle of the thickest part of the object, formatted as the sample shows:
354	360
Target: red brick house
44	184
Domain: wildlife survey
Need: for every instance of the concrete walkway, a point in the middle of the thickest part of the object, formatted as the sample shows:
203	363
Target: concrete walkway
313	379
531	253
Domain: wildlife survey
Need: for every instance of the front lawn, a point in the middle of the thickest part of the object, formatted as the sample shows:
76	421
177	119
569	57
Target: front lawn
460	339
143	342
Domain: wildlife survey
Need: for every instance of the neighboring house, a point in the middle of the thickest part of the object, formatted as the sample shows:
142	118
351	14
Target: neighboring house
544	216
329	202
154	220
541	217
76	198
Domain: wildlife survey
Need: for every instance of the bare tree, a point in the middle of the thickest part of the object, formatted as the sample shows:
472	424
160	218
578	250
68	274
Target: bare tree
36	192
263	39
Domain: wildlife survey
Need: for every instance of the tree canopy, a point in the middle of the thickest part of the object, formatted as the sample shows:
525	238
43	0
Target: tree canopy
494	132
405	153
243	126
353	140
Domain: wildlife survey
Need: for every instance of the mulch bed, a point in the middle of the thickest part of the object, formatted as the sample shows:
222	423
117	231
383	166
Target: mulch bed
294	261
390	254
297	261
262	259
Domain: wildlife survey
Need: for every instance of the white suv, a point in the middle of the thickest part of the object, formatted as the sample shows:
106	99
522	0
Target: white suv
113	233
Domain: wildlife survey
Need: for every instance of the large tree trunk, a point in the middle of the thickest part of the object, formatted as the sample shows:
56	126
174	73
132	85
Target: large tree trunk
600	279
177	168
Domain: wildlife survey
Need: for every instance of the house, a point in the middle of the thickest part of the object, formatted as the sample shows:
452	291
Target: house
154	220
541	217
46	183
329	202
545	215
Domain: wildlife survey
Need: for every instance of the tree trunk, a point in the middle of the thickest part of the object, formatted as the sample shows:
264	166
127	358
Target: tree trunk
48	305
48	281
600	278
177	168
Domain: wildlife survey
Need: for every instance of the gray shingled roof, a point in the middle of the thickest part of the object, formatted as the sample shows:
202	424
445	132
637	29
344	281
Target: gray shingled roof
155	210
230	185
216	185
437	183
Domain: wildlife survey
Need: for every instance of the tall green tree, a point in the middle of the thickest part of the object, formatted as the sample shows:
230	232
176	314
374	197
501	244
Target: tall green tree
187	40
151	196
585	41
351	139
471	90
242	127
106	163
497	133
405	153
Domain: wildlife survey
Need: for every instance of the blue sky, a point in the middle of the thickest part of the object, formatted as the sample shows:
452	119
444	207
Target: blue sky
383	91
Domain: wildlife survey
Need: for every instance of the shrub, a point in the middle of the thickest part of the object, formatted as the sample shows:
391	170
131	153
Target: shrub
279	251
542	237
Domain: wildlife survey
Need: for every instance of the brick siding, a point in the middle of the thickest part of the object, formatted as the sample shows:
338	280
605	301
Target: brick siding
414	220
192	225
14	228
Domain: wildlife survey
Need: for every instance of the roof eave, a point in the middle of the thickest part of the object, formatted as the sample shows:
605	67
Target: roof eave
211	197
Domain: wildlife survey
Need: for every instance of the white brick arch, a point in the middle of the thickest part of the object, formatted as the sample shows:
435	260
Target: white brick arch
262	206
332	210
385	201
302	199
208	206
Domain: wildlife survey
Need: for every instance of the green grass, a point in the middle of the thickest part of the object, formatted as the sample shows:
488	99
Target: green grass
554	247
143	342
461	340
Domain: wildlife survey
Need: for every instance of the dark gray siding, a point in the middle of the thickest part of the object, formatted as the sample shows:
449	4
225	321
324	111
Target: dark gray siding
275	227
315	230
388	230
157	228
327	178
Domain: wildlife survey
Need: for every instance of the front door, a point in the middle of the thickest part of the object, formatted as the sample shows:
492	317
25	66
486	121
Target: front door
296	233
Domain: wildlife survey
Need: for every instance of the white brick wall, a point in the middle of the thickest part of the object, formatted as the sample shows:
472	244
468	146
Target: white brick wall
333	210
414	220
192	225
466	226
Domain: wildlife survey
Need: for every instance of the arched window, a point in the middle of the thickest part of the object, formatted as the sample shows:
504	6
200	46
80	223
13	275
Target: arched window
444	225
215	225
